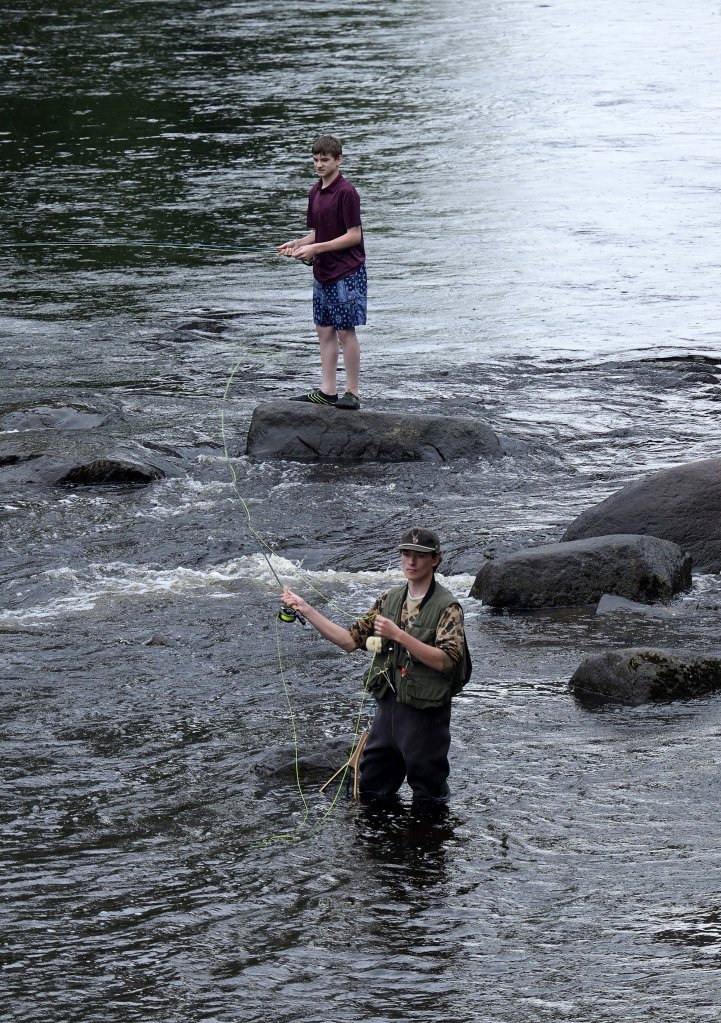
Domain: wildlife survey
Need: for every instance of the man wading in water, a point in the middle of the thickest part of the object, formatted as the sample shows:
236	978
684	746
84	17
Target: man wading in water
425	661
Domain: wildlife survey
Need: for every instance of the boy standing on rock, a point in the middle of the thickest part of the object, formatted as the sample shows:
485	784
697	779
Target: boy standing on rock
424	662
334	244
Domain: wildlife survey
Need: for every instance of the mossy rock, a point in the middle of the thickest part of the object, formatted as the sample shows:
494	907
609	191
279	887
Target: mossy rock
636	675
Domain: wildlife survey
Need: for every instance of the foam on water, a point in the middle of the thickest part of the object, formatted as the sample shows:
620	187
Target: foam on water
120	581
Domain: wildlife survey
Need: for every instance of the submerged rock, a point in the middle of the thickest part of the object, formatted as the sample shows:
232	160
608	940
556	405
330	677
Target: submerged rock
637	675
106	471
301	432
313	767
682	504
58	445
123	468
641	568
50	417
611	604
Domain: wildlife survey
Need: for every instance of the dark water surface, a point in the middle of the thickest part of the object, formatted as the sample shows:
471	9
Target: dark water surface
541	206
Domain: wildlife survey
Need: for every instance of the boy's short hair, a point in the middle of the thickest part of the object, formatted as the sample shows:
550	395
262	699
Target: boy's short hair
328	145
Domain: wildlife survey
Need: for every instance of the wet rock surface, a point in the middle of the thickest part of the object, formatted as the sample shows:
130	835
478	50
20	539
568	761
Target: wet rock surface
59	445
126	465
682	504
312	766
303	432
636	675
640	568
50	417
610	604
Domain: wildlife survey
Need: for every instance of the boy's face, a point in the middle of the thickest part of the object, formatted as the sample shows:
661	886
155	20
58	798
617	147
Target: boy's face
326	166
418	567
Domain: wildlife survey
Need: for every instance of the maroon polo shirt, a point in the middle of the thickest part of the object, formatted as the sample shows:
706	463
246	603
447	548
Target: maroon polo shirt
331	212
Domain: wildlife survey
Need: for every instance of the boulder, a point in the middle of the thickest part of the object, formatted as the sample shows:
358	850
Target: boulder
59	445
123	467
301	432
312	766
642	568
682	504
636	675
106	472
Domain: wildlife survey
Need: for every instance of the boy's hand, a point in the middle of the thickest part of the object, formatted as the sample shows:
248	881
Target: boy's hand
386	628
291	599
304	252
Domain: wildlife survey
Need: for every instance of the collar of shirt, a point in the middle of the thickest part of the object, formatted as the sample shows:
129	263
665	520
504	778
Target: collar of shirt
331	187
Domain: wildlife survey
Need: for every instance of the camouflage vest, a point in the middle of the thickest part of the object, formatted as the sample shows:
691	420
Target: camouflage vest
414	682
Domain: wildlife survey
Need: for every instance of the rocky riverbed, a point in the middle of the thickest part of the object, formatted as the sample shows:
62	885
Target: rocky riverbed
538	190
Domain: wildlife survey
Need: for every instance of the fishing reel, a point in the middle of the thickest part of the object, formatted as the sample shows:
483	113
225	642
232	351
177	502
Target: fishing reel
289	614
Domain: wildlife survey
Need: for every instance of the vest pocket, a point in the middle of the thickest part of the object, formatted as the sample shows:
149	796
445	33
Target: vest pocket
423	686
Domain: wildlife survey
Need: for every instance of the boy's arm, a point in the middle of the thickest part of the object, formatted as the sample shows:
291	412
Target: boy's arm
353	236
289	248
328	629
449	640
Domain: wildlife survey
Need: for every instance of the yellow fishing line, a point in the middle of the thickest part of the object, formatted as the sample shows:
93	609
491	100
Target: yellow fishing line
355	739
294	731
267	552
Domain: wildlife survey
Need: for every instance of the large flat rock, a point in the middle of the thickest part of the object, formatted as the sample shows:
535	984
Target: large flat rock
302	432
576	573
682	504
50	417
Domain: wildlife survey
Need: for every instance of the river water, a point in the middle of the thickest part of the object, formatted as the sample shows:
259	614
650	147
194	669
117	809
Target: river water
541	208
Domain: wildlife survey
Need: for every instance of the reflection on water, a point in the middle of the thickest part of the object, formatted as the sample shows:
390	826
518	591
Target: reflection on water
537	185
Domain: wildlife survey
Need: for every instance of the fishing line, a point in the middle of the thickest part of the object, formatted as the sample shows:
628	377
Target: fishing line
299	786
265	548
354	741
285	836
287	614
135	244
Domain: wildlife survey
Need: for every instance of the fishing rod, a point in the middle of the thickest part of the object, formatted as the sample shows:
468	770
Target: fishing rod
133	243
286	614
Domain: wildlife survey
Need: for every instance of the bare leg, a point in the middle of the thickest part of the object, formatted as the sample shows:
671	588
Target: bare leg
328	338
351	359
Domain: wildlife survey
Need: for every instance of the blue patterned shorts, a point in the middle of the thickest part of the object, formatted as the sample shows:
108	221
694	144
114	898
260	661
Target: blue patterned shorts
344	303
